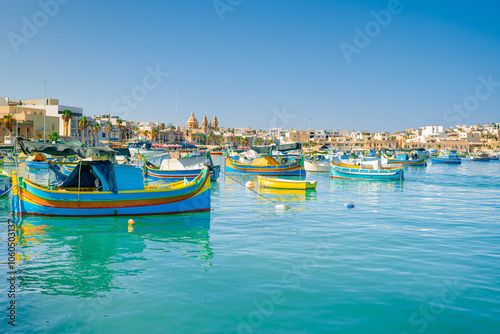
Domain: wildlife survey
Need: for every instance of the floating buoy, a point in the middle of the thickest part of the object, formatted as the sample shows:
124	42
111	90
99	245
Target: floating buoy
281	207
348	205
250	184
130	229
131	222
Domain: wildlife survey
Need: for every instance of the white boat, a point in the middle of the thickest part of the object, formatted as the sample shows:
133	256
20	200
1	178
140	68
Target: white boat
317	166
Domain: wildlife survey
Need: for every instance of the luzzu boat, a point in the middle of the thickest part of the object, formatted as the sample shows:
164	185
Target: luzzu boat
446	158
99	188
286	184
366	170
406	160
180	168
480	157
265	166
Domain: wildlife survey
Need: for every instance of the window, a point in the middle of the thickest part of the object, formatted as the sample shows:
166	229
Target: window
103	135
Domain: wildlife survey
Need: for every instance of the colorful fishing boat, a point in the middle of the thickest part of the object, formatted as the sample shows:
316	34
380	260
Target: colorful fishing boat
446	158
181	168
265	166
99	188
366	170
286	184
5	184
406	160
480	157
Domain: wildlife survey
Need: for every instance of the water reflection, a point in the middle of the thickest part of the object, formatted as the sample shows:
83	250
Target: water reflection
365	186
288	194
90	257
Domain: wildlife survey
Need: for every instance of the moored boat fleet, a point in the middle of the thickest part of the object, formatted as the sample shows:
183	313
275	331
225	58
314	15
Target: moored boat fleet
96	182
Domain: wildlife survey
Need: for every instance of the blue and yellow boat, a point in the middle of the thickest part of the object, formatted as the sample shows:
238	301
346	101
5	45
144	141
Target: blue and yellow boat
99	188
480	157
368	170
446	158
406	160
166	168
265	166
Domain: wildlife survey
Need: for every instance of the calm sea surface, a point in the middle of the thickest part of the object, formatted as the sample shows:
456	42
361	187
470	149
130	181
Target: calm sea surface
419	256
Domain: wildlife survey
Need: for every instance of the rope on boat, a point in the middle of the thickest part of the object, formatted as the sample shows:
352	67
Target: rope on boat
252	189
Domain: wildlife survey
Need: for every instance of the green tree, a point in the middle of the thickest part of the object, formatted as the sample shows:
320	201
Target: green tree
54	136
83	124
96	129
8	122
66	116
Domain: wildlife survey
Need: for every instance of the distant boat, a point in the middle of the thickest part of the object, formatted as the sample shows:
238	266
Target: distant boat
99	188
480	157
366	170
180	168
265	166
493	157
446	157
286	184
406	160
316	165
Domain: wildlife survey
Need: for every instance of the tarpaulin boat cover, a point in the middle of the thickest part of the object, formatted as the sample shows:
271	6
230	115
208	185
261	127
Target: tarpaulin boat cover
156	161
29	147
284	147
265	161
85	174
37	157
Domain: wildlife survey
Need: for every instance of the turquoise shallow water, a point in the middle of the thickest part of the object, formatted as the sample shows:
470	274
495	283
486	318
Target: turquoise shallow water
421	256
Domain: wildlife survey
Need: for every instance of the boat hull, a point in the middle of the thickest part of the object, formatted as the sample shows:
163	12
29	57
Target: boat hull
291	169
37	165
286	184
418	162
437	160
340	172
31	199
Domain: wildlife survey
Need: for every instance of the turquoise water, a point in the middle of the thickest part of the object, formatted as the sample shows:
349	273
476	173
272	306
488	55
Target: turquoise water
421	256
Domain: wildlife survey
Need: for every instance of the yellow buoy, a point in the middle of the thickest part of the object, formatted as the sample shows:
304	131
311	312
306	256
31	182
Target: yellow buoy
131	222
250	184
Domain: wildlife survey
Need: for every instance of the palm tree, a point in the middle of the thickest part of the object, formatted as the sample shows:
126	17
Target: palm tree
162	126
8	122
145	133
119	126
83	124
154	133
54	136
66	116
96	129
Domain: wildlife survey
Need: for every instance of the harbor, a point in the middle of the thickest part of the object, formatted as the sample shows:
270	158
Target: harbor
249	167
82	273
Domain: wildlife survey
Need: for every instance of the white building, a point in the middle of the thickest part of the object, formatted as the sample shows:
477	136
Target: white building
53	108
434	131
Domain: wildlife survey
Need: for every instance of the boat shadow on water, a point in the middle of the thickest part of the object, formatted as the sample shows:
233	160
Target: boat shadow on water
91	257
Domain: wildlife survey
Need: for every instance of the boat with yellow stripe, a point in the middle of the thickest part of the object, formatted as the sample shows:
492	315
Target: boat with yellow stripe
99	188
366	170
266	166
286	184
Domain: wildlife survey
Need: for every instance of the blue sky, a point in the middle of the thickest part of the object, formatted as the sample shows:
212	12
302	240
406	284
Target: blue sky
256	63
